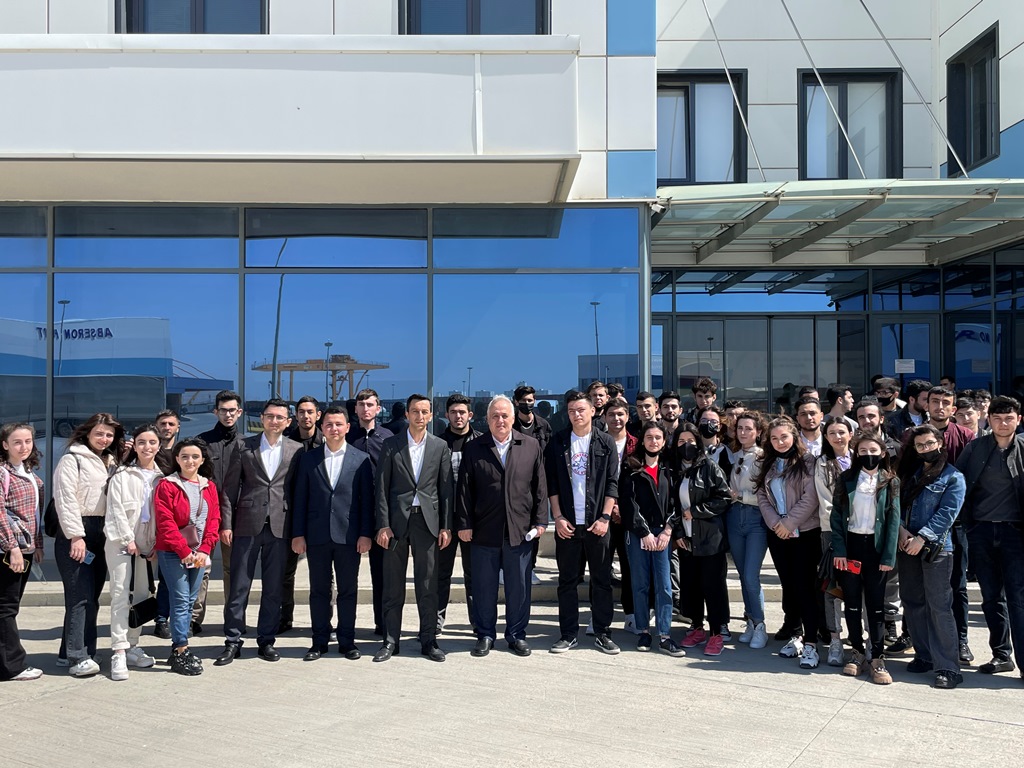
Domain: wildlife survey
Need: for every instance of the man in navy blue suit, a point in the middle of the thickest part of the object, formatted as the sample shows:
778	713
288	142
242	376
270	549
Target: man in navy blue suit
332	523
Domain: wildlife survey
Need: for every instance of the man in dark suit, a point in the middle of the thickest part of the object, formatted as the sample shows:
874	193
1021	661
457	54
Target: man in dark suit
501	497
257	525
414	492
583	474
332	524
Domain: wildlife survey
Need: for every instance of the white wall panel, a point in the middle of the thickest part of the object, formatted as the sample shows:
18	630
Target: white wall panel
91	17
919	137
302	17
586	18
593	102
591	182
365	17
22	17
632	109
775	135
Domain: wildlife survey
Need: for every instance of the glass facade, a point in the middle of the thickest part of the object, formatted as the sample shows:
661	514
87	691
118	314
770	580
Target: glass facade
132	309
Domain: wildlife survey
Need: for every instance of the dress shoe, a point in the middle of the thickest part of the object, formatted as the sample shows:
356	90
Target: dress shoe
386	652
314	653
285	626
520	648
997	665
483	647
162	629
947	680
919	665
231	652
966	655
432	651
268	652
350	652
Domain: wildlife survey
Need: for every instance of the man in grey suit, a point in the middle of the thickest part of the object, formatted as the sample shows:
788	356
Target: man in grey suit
414	490
332	524
256	524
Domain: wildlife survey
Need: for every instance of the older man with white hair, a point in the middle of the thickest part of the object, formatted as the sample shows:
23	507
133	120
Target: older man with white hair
500	500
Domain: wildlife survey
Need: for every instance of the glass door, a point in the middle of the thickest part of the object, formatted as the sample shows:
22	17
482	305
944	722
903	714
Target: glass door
905	348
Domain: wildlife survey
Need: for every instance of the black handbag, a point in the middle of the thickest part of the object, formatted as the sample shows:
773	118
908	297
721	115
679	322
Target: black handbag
144	611
932	550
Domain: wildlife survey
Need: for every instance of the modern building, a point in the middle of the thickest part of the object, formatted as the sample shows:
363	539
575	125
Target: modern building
478	194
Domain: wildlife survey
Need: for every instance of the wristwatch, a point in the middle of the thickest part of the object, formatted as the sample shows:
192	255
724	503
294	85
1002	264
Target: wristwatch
606	517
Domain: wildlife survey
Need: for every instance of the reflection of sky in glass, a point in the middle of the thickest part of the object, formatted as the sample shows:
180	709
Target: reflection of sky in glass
23	251
585	238
24	296
531	328
373	318
183	252
336	252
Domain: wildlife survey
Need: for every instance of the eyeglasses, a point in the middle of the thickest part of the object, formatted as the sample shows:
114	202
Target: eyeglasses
270	417
228	411
706	421
926	446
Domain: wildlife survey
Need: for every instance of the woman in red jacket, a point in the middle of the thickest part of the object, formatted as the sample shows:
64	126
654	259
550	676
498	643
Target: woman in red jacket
187	527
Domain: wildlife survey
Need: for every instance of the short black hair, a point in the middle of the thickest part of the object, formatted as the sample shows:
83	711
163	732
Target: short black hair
275	402
670	394
963	403
950	379
941	392
307	399
886	383
734	404
458	399
617	402
224	395
982	394
835	393
1004	404
806	401
366	394
866	402
336	410
643	394
574	395
806	390
615	389
596	385
398	409
167	413
416	397
704	384
917	387
522	391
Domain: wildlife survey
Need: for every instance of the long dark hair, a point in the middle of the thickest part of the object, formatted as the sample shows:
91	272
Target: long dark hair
910	460
161	460
205	469
33	458
794	463
885	469
637	458
81	435
677	459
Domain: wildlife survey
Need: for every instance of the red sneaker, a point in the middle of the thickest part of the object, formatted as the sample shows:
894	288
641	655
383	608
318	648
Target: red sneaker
695	637
714	646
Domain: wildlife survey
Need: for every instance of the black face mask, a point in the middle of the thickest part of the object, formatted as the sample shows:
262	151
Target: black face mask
707	430
651	454
525	408
885	401
931	456
790	452
689	451
870	462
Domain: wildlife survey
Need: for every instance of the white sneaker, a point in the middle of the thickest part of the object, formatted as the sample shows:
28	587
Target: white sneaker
809	657
748	633
28	673
85	668
118	666
534	578
759	639
630	625
836	654
590	628
792	649
137	657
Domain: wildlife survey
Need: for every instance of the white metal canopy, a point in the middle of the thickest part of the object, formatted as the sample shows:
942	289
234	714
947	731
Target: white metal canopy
882	221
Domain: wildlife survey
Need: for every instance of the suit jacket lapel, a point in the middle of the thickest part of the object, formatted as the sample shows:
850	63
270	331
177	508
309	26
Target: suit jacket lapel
287	451
322	467
257	456
405	457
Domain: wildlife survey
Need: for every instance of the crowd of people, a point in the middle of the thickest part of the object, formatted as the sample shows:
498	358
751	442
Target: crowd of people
874	511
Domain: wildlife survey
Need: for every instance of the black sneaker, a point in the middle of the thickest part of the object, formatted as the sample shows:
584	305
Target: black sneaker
182	664
563	645
919	665
668	645
947	679
902	645
966	655
193	661
890	632
162	629
996	666
604	644
644	642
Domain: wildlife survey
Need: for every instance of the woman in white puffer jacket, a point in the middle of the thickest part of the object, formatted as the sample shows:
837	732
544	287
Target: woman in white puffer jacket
131	536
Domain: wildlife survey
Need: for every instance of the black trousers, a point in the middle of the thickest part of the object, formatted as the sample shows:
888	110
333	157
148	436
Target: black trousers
796	561
342	562
446	566
618	545
291	565
377	584
12	653
245	551
868	587
83	585
958	581
570	554
515	562
423	545
705	585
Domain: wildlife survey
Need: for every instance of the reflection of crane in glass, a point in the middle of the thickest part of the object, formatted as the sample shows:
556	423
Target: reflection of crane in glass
340	369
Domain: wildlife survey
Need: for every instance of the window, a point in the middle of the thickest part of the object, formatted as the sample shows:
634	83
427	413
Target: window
972	102
869	104
700	136
195	17
476	17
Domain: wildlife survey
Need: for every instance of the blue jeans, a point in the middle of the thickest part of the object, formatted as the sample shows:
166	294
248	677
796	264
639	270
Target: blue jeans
997	557
748	541
643	565
183	587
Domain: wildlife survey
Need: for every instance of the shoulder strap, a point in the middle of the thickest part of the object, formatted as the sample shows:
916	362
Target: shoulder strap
149	573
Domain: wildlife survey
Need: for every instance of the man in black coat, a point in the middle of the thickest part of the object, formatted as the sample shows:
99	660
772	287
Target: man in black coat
501	498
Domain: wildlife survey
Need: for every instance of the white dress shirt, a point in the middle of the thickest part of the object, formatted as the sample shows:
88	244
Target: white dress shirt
503	447
270	455
862	513
333	460
416	451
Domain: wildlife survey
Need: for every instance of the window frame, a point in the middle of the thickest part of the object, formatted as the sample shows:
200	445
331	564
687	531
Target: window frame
675	80
893	81
982	49
409	17
133	12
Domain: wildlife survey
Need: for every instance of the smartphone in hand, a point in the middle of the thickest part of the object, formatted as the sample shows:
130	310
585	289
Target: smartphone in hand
89	557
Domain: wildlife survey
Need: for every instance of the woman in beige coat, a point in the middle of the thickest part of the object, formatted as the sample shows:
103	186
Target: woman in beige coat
79	492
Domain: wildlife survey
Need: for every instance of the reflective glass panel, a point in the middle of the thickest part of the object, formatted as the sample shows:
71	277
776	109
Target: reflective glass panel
508	17
840	353
906	289
776	291
867	124
335	237
657	357
376	326
133	344
503	345
714	133
746	361
672	131
823	135
699	345
972	349
967	284
1009	271
536	237
22	236
442	17
906	342
661	291
233	17
23	350
792	358
138	236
